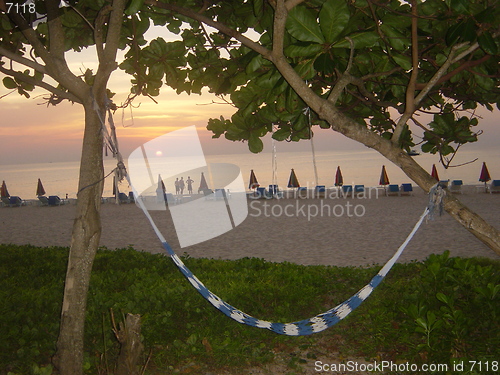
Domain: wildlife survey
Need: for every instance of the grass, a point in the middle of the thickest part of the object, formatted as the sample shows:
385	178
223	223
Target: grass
436	311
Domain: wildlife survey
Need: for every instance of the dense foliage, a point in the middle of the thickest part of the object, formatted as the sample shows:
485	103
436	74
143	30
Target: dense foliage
431	312
364	55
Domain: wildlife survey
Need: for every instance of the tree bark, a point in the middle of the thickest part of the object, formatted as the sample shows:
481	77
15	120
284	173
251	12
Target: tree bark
474	223
84	243
129	336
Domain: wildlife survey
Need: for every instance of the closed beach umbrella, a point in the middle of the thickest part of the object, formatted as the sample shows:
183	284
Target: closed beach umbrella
485	174
384	179
203	183
39	188
253	181
4	193
293	182
434	172
339	180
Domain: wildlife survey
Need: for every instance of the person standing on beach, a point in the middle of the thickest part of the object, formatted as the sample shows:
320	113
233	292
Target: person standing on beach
177	186
189	183
181	185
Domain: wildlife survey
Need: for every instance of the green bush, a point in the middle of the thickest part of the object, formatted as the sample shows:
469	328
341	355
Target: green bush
439	310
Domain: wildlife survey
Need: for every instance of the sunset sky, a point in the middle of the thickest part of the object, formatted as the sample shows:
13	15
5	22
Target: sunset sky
31	132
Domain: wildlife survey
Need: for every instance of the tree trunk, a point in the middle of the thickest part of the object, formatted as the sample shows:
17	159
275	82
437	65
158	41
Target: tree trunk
474	223
84	244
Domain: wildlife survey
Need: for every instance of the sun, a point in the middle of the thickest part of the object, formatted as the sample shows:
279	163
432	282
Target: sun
159	153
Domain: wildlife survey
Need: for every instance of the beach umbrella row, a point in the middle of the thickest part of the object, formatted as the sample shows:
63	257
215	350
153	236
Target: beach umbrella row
293	181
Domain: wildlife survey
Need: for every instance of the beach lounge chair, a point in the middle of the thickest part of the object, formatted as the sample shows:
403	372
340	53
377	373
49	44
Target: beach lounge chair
359	189
406	189
302	192
320	191
123	198
261	193
495	186
16	202
347	190
392	190
44	201
54	200
456	186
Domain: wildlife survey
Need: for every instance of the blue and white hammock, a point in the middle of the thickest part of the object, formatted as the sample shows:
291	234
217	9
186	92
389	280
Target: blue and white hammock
304	327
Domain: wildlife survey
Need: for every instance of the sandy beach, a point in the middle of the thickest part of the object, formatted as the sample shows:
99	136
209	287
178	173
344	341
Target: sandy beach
368	232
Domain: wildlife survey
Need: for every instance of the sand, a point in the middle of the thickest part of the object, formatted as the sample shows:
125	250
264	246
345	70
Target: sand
369	231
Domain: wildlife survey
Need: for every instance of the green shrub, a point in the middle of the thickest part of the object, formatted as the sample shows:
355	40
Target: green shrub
439	310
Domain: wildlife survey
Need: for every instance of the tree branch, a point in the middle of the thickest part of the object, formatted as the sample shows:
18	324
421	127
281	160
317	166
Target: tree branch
410	90
290	4
464	66
23	60
345	79
108	63
35	82
56	68
56	32
219	26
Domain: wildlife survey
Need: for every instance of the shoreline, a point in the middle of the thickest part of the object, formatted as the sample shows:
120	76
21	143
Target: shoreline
334	239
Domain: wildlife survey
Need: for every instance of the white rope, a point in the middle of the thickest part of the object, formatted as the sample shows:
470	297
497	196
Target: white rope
307	112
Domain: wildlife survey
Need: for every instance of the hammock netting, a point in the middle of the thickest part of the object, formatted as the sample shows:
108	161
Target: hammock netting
304	327
309	326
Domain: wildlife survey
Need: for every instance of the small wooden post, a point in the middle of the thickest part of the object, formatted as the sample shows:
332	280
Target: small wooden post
129	337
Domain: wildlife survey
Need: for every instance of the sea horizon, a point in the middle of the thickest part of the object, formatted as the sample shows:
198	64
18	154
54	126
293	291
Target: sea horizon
360	167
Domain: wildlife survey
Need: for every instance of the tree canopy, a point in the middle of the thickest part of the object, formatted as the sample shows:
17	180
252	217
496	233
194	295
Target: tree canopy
380	62
364	68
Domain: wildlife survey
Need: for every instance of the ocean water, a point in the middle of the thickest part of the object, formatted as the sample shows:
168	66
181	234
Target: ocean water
61	178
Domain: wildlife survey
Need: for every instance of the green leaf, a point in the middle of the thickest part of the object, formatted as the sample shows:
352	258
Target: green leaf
9	83
281	134
258	6
134	7
460	6
324	64
421	322
396	39
333	17
360	40
428	148
303	50
441	297
302	25
255	144
403	61
254	64
487	43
